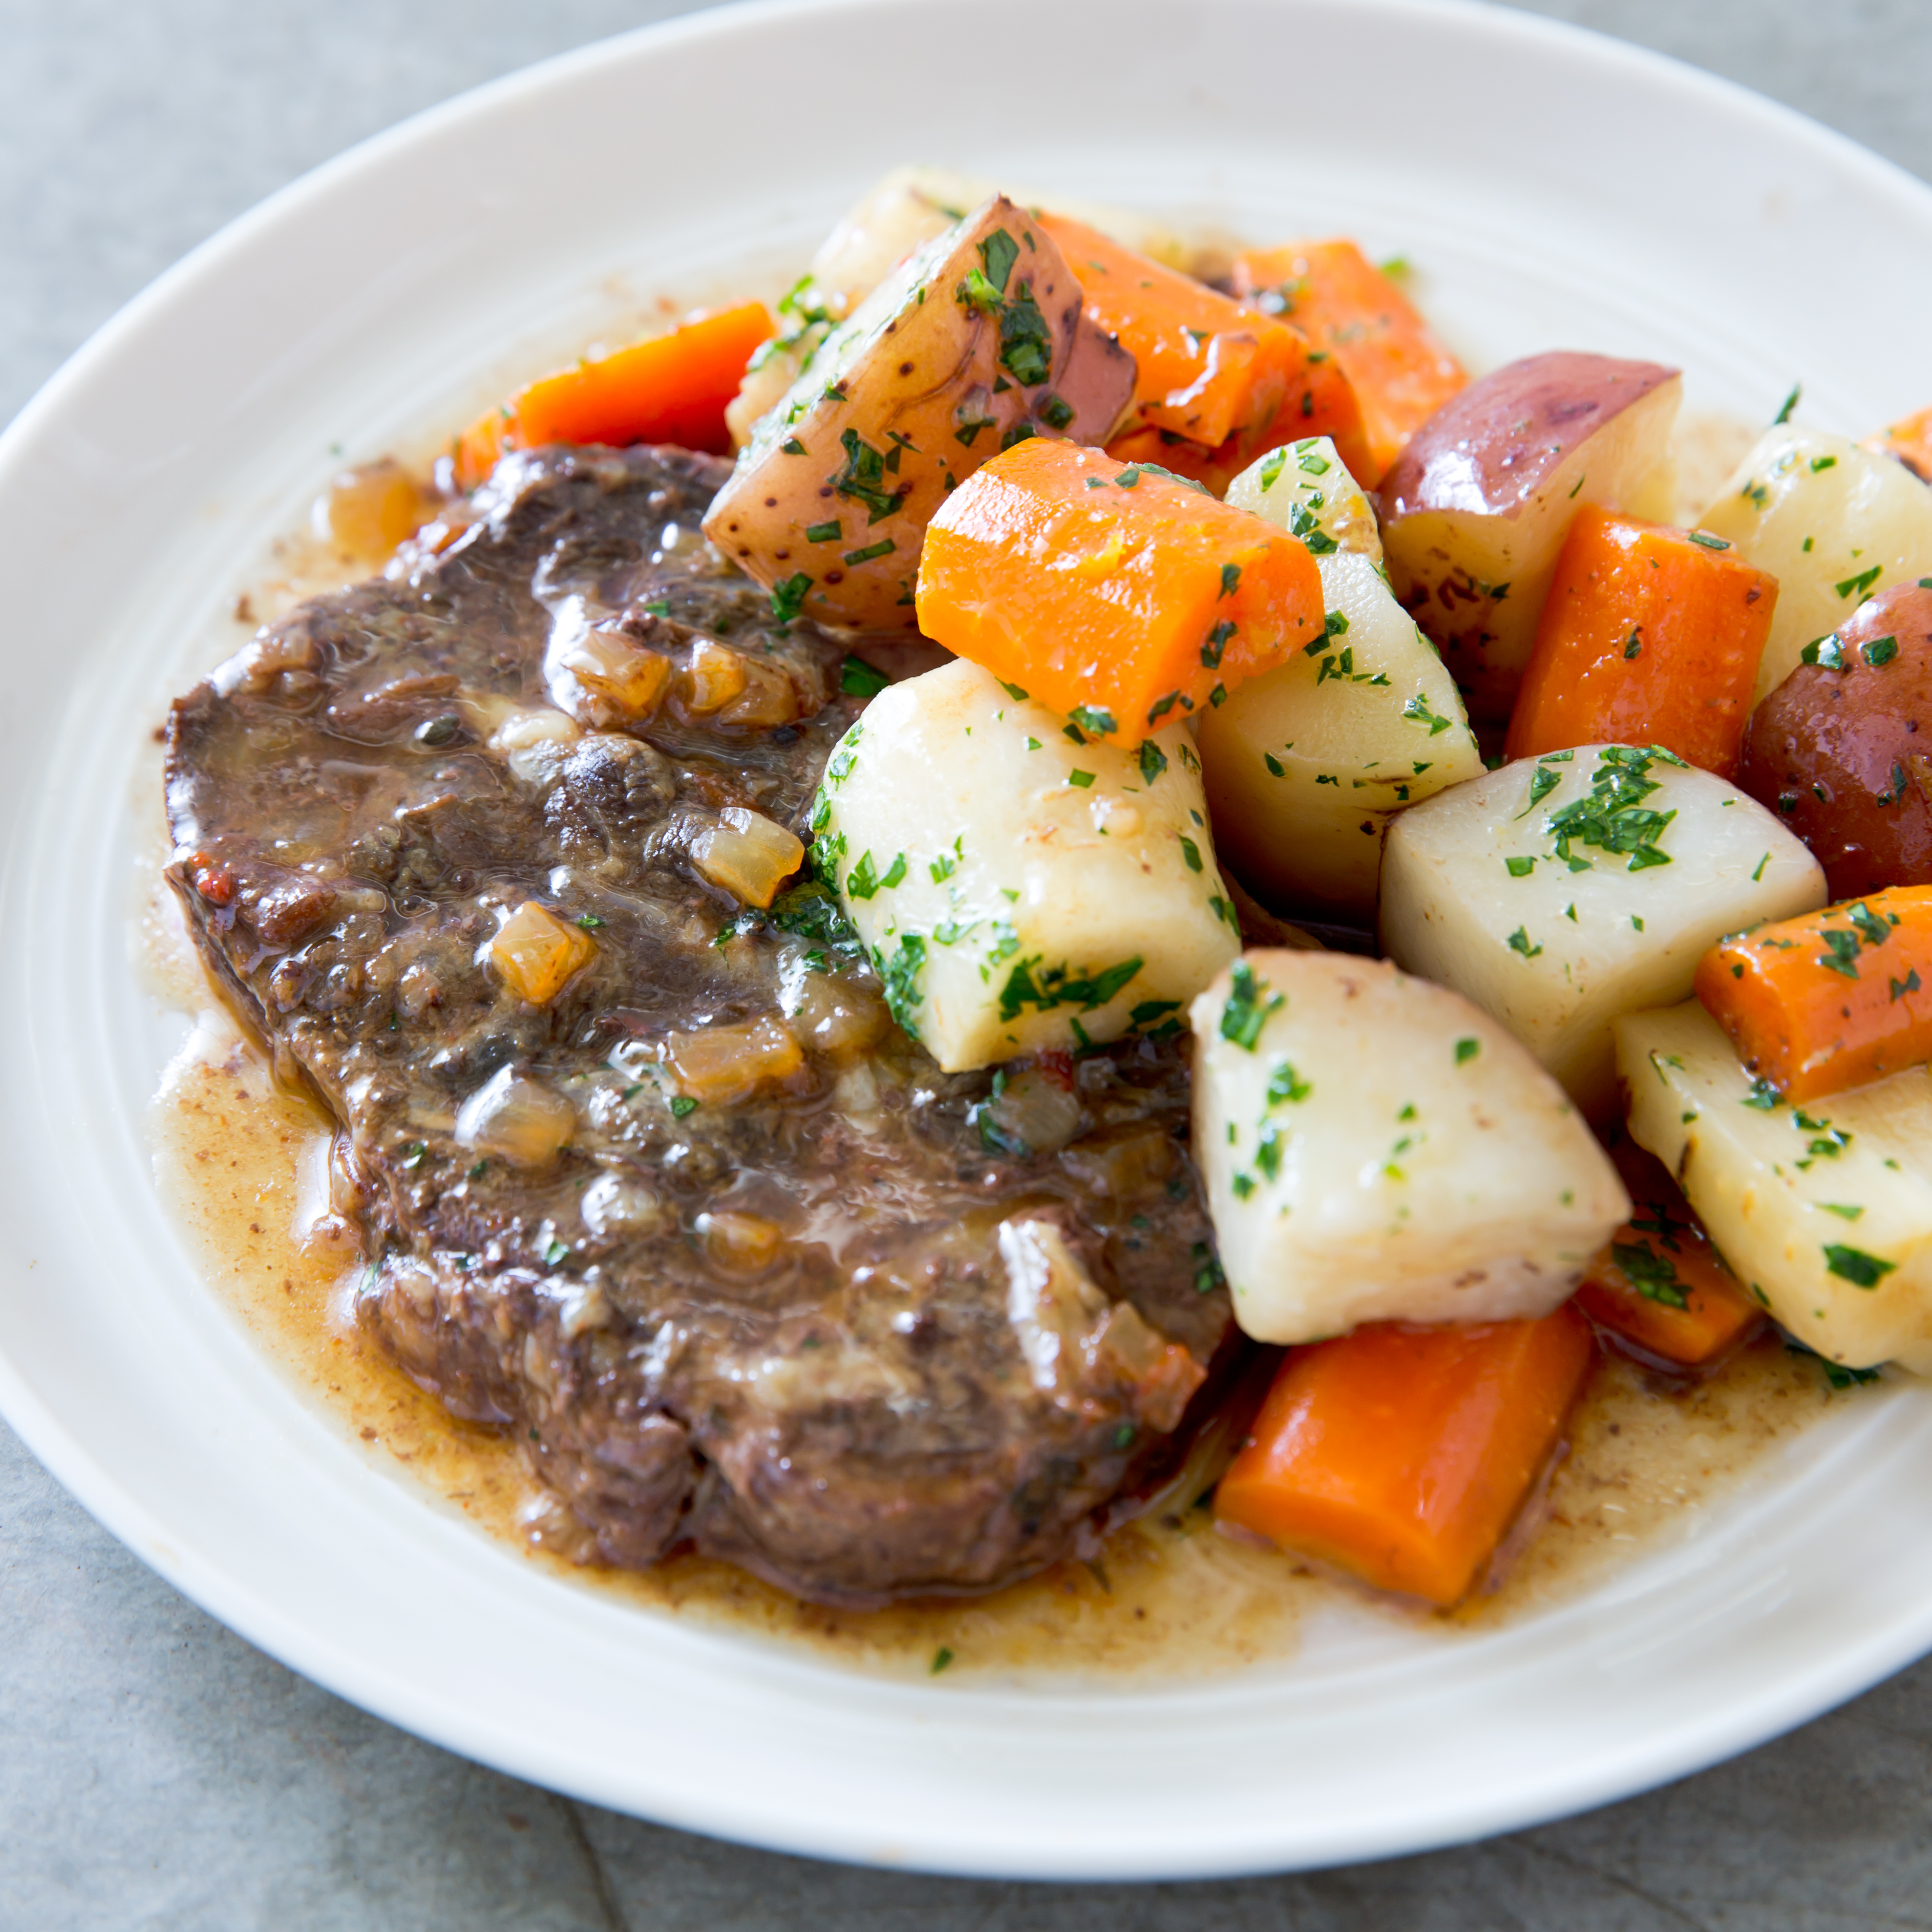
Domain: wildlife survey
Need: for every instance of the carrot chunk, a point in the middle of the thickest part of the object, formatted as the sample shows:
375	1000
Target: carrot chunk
1403	1454
667	389
1831	1000
1401	372
1660	1287
1121	596
1910	440
1217	383
1650	636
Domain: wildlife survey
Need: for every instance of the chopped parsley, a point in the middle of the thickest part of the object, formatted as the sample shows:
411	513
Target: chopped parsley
901	977
1247	1010
857	678
1285	1085
788	596
863	477
1094	719
1153	761
1190	851
681	1104
1467	1049
1652	1275
1060	986
1418	711
1614	817
1519	942
1855	1266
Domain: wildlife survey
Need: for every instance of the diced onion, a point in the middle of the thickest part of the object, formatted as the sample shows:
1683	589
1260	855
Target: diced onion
716	676
369	511
535	952
517	1119
747	854
632	678
747	1243
723	1063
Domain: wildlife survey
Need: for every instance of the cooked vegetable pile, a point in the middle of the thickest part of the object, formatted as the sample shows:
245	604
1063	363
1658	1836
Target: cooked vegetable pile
1615	1038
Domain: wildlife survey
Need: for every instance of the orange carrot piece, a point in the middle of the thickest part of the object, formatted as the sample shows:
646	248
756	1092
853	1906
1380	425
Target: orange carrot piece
1910	440
1210	373
1400	370
1831	1000
1649	636
667	389
1659	1286
1403	1454
1122	597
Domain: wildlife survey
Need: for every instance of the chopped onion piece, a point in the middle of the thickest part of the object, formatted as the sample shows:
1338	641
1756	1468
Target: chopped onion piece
717	676
536	953
728	1062
747	854
516	1118
632	678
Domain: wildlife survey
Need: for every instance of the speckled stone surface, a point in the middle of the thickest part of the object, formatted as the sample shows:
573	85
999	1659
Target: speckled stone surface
156	1772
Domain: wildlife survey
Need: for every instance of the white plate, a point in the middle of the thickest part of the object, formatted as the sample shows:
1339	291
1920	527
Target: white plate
1560	191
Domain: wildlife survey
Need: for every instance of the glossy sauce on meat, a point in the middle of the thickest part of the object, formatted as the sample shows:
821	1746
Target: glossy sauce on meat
864	1329
242	1165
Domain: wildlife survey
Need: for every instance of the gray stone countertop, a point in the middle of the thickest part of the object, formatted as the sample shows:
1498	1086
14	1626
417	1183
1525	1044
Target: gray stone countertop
157	1772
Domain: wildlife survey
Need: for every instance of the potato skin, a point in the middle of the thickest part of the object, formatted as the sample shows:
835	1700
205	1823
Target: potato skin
828	505
1844	757
1474	510
1491	448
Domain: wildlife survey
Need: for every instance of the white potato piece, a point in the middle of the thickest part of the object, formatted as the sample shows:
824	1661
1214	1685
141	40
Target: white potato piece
1824	1211
1477	893
976	340
1476	508
1374	1149
908	208
1833	523
1306	765
894	215
1019	890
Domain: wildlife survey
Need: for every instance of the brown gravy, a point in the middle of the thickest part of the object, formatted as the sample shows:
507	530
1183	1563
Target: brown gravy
242	1163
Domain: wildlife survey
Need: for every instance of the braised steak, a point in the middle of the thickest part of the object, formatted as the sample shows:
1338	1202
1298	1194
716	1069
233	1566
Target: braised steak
863	1328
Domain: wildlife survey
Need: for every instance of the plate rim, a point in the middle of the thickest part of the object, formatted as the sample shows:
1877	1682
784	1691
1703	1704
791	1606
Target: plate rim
254	1616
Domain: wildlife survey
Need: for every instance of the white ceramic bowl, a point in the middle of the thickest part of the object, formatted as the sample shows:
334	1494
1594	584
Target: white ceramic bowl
1561	189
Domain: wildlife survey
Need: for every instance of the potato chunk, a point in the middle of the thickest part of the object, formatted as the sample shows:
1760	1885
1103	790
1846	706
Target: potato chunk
907	207
975	342
1833	523
1842	750
1019	885
1306	764
1474	510
1824	1212
1375	1150
1562	892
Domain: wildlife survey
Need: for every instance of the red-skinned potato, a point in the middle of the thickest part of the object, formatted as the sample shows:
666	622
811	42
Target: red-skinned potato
1842	750
975	342
1475	509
